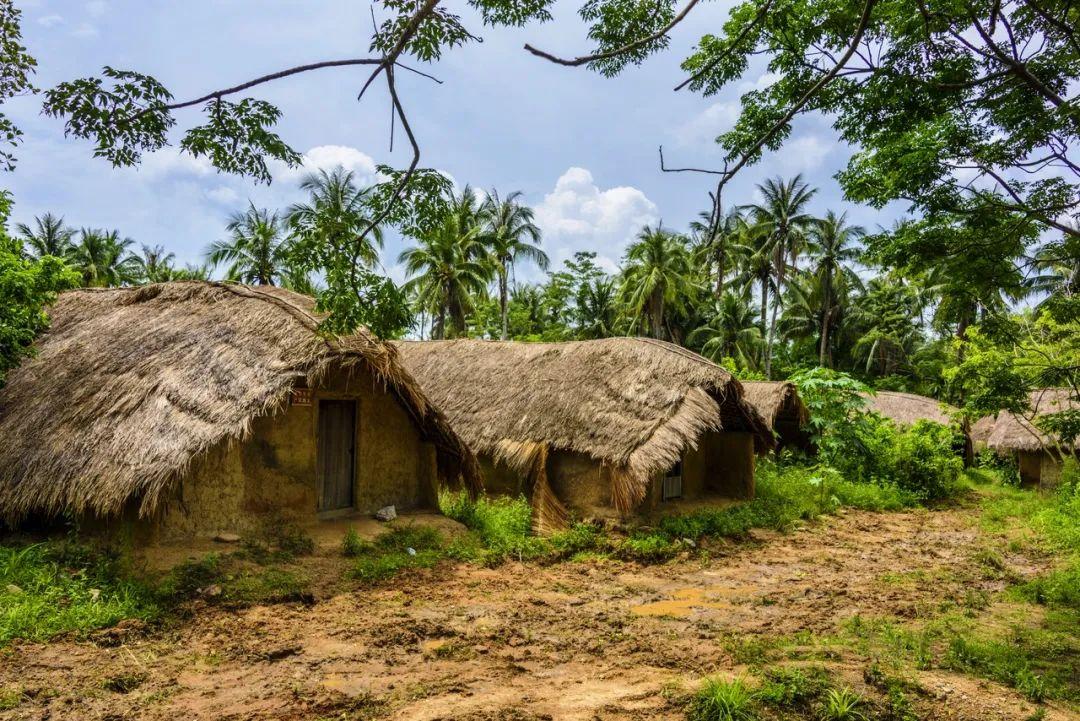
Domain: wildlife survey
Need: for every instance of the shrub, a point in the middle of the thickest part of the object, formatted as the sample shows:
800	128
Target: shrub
924	461
719	700
792	687
352	544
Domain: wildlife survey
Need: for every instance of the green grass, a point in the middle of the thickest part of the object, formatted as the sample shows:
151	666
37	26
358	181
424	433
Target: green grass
721	700
401	547
55	588
843	704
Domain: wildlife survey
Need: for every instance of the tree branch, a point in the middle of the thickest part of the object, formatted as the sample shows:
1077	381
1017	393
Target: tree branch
629	47
689	170
730	48
864	22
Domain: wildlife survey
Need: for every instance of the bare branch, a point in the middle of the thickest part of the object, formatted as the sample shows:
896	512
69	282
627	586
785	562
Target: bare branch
628	48
689	170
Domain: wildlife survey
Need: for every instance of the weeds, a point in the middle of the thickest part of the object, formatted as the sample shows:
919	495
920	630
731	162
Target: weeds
49	589
843	704
406	546
720	700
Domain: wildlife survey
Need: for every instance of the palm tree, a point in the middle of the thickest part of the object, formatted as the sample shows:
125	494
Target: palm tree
713	240
257	250
335	215
886	315
657	274
103	260
597	308
509	234
446	271
731	331
753	251
831	244
1058	268
155	265
48	237
783	212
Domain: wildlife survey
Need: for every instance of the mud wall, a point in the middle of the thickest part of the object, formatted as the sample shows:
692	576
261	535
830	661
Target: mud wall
499	479
273	474
582	483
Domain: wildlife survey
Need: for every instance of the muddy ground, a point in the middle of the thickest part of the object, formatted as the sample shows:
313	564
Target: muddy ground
595	639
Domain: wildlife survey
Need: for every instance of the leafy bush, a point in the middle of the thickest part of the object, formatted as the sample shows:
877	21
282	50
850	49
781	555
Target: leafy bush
924	461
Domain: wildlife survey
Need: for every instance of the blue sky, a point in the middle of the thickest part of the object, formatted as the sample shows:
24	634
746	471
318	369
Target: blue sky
581	147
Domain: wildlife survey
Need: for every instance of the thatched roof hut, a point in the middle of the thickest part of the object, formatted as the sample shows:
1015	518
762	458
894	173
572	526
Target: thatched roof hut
131	387
634	405
778	402
1039	456
981	430
1013	432
905	409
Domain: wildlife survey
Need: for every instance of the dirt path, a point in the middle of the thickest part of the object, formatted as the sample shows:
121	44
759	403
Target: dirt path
604	639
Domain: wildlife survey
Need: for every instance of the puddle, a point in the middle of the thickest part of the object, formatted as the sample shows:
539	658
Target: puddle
685	601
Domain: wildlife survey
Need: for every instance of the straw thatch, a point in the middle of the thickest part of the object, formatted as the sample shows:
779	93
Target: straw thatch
130	386
634	404
779	404
981	429
1013	432
905	409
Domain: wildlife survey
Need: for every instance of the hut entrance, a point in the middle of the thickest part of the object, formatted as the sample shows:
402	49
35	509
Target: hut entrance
337	446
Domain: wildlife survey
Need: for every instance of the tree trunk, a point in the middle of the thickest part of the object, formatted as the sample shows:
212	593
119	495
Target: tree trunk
656	314
502	301
772	335
825	317
721	262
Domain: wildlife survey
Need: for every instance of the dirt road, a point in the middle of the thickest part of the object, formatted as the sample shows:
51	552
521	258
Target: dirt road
577	640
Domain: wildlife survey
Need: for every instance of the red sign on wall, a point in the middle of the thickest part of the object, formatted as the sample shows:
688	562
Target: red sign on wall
301	397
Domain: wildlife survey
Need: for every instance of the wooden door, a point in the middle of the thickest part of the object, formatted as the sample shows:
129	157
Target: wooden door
337	451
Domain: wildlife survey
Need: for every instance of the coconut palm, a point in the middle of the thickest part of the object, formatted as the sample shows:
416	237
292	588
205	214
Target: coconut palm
753	252
49	236
731	330
1057	267
446	270
597	308
103	260
783	212
155	264
335	215
257	250
509	235
657	274
713	238
832	247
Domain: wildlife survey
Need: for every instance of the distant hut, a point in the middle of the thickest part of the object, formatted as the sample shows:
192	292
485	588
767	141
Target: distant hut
905	409
607	427
778	402
184	409
1038	456
981	430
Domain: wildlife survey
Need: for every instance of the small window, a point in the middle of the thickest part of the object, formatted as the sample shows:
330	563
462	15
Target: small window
672	487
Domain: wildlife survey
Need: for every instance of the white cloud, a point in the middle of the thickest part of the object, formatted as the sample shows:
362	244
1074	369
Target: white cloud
84	30
170	162
51	20
763	81
328	157
806	152
578	215
96	8
224	195
702	129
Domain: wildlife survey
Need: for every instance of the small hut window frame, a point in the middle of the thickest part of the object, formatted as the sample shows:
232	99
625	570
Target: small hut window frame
671	487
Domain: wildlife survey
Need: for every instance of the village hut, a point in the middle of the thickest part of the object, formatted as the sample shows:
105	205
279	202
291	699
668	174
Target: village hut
981	430
601	428
778	402
1039	457
188	408
906	409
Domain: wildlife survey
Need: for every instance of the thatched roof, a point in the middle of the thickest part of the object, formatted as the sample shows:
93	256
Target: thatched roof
905	409
634	404
773	398
130	386
982	428
778	402
1012	432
